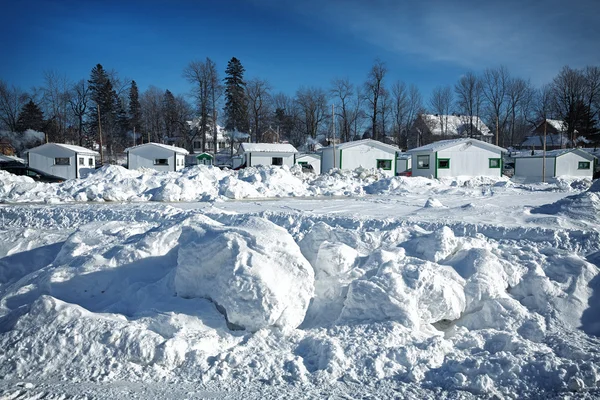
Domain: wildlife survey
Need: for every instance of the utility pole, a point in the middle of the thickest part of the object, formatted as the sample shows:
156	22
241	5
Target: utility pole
100	136
497	129
544	153
134	141
333	131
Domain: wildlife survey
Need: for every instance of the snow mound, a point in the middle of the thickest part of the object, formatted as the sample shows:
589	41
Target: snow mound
254	272
584	205
434	246
433	203
409	291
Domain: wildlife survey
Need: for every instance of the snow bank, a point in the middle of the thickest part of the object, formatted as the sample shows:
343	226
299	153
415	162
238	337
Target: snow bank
584	205
147	293
254	272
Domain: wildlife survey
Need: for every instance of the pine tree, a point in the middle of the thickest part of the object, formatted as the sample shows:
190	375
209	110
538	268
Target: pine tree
135	109
236	110
108	103
170	113
30	117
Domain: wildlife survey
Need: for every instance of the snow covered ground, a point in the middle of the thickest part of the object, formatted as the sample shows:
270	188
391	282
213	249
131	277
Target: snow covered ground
272	283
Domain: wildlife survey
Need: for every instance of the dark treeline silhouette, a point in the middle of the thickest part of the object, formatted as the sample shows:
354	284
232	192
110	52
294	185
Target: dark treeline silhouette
75	112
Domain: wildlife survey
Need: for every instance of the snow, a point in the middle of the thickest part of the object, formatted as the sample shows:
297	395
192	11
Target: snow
448	143
271	283
174	149
267	148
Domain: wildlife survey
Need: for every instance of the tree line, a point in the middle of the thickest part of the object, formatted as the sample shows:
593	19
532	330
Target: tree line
76	112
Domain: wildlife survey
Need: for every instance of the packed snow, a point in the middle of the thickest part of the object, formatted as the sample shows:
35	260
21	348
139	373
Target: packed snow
271	283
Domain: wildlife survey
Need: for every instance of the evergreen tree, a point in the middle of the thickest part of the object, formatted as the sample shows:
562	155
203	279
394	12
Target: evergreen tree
236	109
170	113
135	109
30	117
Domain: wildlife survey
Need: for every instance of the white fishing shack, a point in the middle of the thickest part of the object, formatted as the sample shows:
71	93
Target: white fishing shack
559	163
366	153
65	160
157	156
279	154
457	157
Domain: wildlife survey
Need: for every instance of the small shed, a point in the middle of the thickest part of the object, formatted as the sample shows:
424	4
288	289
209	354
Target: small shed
64	160
403	162
267	154
157	156
366	153
312	159
204	159
457	157
563	162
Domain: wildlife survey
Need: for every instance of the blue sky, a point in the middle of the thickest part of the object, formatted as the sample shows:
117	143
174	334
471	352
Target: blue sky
296	43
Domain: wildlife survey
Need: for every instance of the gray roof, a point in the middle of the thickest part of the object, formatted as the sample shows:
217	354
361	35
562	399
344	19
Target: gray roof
368	142
553	153
445	144
164	146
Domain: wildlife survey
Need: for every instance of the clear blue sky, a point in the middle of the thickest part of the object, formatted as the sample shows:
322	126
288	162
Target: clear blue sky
295	42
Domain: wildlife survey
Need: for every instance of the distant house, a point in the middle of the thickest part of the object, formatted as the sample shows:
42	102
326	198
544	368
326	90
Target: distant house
209	139
562	162
253	154
429	128
270	136
64	160
556	136
157	156
457	157
312	159
365	153
6	148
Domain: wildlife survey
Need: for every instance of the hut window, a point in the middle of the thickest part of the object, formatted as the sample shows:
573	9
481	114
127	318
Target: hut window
277	161
443	163
62	161
583	165
423	162
81	161
91	162
384	164
161	161
494	163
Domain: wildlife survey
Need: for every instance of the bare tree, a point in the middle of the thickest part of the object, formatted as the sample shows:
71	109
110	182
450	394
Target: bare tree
385	112
415	107
341	91
216	91
517	92
12	99
199	74
494	87
373	91
78	102
399	110
468	92
152	114
312	103
569	89
440	103
55	102
258	95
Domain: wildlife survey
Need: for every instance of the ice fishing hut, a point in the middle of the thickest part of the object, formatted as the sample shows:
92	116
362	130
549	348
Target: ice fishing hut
254	154
562	162
457	157
64	160
366	153
310	159
157	156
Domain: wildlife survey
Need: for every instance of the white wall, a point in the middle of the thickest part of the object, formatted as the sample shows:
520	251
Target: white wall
366	156
313	160
426	172
257	158
469	161
89	165
327	159
568	165
43	158
143	157
403	164
531	167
